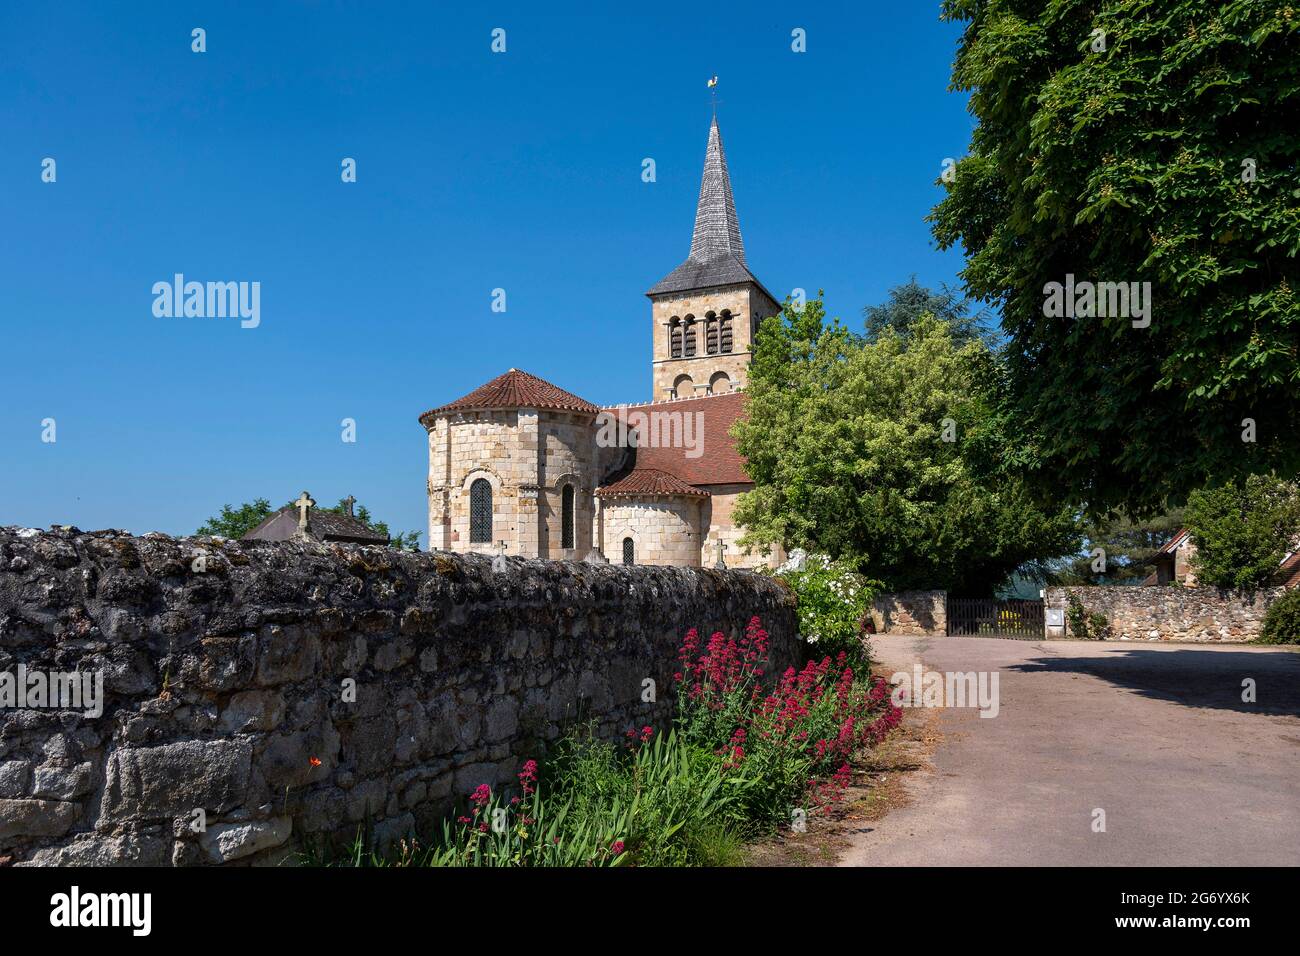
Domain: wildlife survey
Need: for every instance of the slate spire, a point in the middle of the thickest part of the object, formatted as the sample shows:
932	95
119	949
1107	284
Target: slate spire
717	256
717	230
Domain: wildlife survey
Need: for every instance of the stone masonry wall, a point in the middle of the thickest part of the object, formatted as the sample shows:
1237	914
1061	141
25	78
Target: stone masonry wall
1169	613
225	669
911	612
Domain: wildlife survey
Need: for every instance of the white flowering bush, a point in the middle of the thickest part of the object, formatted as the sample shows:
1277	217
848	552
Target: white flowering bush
833	598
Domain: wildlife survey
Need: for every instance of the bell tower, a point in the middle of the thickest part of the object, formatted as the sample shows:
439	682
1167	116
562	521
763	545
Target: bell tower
705	312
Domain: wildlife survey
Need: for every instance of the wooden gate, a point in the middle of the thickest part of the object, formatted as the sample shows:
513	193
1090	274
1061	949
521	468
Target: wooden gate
986	617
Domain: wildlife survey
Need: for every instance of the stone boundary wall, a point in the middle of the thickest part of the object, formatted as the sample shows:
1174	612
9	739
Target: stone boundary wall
1169	613
225	668
911	612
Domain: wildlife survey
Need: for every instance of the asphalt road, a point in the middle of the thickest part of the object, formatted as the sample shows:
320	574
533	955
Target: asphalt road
1156	735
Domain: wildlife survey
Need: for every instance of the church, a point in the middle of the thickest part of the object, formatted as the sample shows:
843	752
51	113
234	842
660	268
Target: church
520	466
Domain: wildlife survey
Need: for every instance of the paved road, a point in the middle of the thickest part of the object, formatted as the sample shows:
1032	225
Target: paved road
1156	735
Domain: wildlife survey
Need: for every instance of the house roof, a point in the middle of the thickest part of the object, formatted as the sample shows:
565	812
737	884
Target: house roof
1289	574
717	255
514	389
649	481
1172	544
324	525
330	524
717	462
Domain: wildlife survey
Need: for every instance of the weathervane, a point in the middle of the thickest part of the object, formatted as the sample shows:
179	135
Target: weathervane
713	91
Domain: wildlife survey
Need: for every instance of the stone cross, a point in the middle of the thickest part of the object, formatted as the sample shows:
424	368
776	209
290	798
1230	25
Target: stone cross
499	565
304	504
721	565
348	502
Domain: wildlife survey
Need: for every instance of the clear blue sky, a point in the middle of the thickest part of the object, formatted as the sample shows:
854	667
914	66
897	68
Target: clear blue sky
476	170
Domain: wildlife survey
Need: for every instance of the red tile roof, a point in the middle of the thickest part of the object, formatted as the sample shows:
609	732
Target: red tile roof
514	389
1172	544
719	462
1289	575
649	481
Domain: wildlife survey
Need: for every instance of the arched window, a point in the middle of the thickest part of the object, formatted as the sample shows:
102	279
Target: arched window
480	512
675	337
683	387
629	551
690	335
719	384
725	322
566	517
711	334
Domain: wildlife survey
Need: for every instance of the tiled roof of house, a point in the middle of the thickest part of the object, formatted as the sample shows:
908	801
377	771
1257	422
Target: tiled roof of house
718	461
322	525
717	255
330	524
649	481
1172	544
1289	574
514	389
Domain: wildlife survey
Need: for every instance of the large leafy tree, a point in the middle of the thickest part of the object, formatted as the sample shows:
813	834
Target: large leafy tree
891	455
1243	530
234	522
1138	141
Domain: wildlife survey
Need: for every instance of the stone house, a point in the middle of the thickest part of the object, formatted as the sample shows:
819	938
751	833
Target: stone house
521	466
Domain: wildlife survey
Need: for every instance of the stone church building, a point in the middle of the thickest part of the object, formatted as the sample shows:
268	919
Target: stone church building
522	466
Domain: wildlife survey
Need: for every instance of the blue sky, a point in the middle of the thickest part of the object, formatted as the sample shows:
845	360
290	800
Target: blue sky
475	171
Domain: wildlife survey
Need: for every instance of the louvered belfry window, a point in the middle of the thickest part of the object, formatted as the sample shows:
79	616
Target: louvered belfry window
711	334
690	336
726	331
480	512
566	517
675	338
629	551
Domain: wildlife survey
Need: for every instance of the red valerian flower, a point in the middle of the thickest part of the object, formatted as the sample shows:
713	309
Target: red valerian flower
616	847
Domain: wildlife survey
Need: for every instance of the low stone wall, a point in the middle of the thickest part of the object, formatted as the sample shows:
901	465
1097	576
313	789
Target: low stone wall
278	692
911	612
1169	613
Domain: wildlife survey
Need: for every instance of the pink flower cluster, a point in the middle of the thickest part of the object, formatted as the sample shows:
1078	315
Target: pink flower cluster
820	710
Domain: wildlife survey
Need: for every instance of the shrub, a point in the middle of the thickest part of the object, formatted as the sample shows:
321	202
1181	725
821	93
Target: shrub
1242	531
1282	622
780	745
1084	625
833	599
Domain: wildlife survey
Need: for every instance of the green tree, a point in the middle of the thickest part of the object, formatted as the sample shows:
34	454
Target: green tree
234	523
1242	530
908	302
1134	141
1129	545
890	455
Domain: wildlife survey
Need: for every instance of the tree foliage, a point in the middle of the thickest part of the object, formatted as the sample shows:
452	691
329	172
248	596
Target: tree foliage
1242	530
1138	141
847	442
910	301
1129	546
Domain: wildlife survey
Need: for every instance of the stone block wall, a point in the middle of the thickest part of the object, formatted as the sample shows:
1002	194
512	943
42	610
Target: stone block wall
911	612
226	669
664	529
716	515
1171	613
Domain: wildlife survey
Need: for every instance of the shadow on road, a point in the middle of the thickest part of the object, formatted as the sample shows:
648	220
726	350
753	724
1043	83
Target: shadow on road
1194	678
